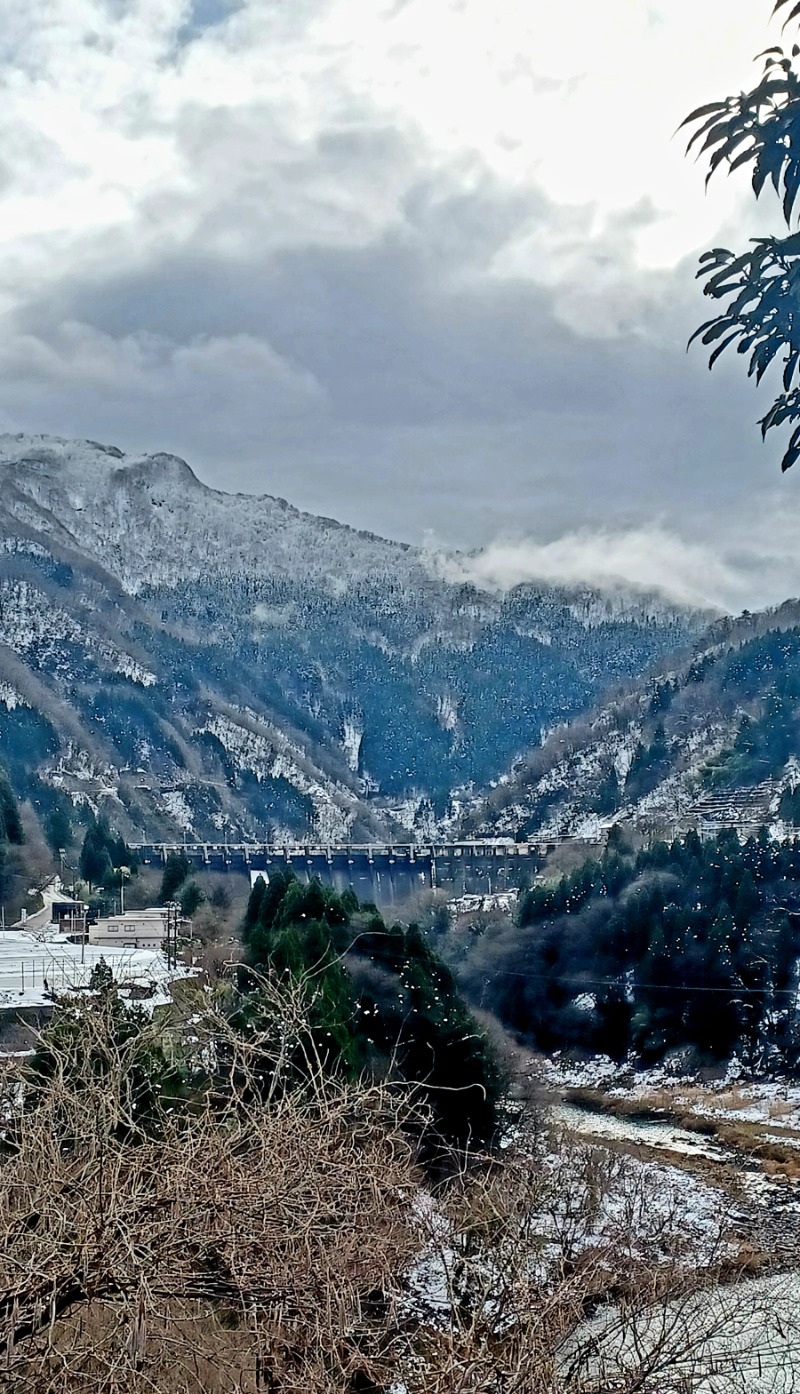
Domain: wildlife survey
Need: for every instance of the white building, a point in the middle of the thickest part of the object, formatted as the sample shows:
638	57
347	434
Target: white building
135	929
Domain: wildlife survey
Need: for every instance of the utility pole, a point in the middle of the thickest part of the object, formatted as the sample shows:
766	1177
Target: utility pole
173	910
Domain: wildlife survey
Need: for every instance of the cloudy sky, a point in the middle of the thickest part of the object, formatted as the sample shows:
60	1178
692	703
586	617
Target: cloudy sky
424	265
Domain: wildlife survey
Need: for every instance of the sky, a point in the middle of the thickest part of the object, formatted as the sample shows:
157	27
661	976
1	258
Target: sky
426	266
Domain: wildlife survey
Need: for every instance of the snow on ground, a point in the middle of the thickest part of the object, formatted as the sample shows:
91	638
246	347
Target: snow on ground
662	1136
32	969
581	1074
620	1204
738	1339
178	809
782	1139
624	1081
773	1102
183	529
770	1109
648	1205
769	1102
10	697
500	900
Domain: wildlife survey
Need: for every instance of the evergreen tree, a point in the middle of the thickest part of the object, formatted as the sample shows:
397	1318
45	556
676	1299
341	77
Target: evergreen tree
5	871
176	870
10	821
95	860
101	978
606	798
153	1086
613	1017
58	828
684	940
747	901
191	899
103	853
789	806
255	899
377	997
650	764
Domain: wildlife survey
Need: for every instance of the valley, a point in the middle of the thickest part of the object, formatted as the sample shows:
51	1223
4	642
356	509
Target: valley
543	834
709	742
399	809
225	667
725	1130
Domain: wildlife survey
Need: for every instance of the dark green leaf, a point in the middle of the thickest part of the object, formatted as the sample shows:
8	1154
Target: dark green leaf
715	133
702	111
764	355
701	130
721	348
700	331
733	269
719	326
741	159
789	369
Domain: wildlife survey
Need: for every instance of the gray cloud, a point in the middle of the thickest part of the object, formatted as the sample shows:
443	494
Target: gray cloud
336	374
312	298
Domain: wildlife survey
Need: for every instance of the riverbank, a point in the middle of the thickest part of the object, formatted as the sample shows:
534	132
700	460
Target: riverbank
739	1139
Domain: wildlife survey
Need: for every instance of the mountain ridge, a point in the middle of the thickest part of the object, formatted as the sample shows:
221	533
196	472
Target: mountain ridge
61	461
712	738
224	662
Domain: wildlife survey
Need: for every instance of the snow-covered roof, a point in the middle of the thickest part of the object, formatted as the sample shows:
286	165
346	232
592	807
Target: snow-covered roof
31	969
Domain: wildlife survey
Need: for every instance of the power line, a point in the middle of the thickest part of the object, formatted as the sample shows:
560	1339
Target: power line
657	987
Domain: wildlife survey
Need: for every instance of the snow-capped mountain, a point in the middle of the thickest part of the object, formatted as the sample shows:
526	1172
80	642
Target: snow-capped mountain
223	663
96	500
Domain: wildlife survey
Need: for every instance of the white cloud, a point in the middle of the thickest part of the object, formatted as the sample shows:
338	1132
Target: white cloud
732	574
650	557
106	119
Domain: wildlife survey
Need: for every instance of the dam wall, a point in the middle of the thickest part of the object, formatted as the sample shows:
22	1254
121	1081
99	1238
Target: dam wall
386	875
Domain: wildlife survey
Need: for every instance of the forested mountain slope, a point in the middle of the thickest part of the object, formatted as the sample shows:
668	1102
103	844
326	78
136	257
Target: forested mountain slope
689	945
220	664
712	740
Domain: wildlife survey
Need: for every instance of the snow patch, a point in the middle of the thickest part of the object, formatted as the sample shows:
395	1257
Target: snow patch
447	711
178	809
352	736
11	698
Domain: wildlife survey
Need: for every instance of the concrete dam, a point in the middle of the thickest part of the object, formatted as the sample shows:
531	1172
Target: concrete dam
385	874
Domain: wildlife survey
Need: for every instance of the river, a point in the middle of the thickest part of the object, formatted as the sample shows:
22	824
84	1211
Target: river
742	1338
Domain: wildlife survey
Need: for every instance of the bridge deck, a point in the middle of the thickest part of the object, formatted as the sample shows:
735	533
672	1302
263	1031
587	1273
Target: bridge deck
381	872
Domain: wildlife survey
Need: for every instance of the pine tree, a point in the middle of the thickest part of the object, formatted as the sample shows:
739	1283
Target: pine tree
176	870
10	822
376	996
746	902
